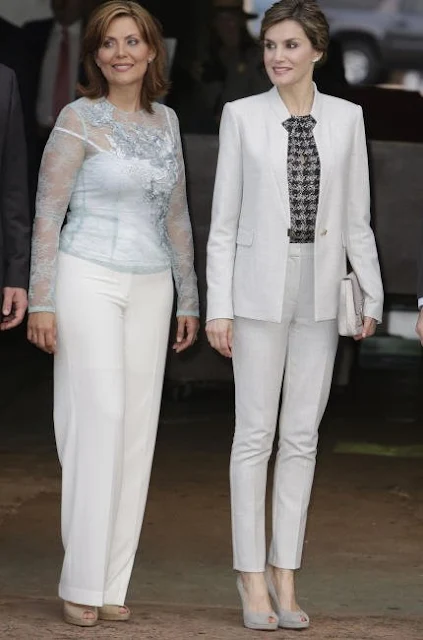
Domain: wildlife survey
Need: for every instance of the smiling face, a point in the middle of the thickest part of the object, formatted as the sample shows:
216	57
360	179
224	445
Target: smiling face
123	56
289	56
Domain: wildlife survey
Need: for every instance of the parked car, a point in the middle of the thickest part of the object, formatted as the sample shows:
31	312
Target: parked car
377	36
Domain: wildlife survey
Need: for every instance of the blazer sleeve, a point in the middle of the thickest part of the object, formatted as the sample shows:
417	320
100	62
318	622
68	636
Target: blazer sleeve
361	245
226	208
15	215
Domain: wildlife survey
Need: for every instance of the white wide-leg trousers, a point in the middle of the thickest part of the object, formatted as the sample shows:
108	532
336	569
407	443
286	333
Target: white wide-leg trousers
300	352
112	332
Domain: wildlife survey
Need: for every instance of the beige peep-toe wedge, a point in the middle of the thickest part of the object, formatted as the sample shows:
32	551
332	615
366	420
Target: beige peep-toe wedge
76	614
113	613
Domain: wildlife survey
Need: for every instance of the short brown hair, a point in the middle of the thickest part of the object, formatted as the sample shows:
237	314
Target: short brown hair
154	85
309	16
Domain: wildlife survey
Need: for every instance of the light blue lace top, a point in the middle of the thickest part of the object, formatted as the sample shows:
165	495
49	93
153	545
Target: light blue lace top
122	176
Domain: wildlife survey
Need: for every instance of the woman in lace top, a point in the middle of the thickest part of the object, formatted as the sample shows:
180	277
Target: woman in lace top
101	295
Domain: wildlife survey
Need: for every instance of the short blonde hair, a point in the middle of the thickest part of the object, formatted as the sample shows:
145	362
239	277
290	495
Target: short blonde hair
154	85
309	16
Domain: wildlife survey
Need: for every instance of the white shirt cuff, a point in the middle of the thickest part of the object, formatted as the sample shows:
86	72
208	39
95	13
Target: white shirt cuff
420	303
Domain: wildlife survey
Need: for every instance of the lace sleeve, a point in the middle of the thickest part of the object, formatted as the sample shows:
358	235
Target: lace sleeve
62	159
180	236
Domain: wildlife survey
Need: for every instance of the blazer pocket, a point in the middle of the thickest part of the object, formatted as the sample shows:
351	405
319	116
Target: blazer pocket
245	237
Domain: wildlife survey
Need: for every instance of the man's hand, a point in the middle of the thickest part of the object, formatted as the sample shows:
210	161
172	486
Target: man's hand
15	303
42	330
419	326
186	333
219	334
369	328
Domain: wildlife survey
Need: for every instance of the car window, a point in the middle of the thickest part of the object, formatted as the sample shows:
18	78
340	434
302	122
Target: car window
413	6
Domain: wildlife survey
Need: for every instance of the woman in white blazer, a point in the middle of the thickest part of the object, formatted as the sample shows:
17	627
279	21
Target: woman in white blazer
291	202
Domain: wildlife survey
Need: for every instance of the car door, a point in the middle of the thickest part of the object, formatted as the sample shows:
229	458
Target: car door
258	7
405	35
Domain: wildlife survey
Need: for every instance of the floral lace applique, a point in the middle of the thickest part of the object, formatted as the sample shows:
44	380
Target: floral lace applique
123	178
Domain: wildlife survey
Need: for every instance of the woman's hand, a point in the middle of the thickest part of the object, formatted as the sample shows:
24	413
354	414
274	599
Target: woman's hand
219	334
186	333
15	303
42	330
369	328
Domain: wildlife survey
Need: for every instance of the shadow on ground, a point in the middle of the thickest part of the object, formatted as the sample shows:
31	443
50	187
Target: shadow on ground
362	575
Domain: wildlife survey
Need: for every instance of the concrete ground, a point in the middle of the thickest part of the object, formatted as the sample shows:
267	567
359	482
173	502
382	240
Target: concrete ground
363	572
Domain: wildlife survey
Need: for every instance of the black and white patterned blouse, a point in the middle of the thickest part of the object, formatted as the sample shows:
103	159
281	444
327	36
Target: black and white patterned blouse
303	177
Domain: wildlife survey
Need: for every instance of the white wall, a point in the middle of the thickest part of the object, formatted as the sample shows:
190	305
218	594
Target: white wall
20	11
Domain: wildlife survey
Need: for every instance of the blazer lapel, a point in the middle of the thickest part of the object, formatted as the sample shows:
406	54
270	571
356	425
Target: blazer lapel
278	147
323	138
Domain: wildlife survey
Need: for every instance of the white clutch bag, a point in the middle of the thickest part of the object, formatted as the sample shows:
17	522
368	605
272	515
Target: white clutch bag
351	301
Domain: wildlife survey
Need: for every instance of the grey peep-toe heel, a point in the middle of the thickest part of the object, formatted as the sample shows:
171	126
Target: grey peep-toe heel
258	621
287	619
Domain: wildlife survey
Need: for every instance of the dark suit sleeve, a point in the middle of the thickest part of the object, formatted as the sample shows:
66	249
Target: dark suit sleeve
14	195
420	269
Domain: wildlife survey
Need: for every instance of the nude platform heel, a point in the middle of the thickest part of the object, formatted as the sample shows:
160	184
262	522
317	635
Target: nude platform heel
74	614
112	613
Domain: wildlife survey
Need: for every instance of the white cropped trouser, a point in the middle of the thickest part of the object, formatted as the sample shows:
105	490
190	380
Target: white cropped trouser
301	352
112	330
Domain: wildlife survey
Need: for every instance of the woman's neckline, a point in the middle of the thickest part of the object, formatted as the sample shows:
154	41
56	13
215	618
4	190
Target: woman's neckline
120	110
310	107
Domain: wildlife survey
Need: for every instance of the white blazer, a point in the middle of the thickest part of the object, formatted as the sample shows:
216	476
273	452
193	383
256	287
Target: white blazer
247	248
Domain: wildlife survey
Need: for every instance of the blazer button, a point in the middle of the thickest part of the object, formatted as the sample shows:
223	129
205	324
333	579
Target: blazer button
323	232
